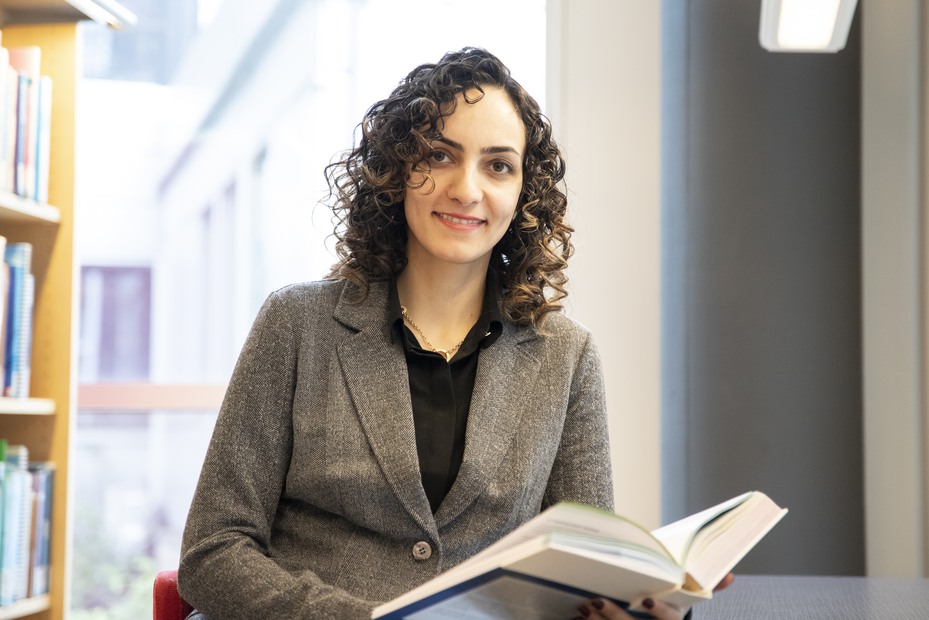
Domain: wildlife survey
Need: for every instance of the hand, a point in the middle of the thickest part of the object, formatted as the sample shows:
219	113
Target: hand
602	609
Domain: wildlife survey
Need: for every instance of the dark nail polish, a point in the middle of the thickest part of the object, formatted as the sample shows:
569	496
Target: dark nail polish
648	603
598	604
584	610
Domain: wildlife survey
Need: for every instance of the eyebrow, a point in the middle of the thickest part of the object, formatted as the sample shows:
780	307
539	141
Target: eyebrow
484	151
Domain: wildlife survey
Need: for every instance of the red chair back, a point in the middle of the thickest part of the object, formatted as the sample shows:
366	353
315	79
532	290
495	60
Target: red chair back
168	604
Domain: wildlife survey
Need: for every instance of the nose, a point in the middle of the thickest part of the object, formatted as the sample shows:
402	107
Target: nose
465	186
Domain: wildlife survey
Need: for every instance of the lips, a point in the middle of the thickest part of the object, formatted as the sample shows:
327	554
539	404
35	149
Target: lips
459	220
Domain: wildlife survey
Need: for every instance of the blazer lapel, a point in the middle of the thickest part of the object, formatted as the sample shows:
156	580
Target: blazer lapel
374	369
500	392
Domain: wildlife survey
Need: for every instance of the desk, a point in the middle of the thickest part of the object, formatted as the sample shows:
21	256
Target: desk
754	597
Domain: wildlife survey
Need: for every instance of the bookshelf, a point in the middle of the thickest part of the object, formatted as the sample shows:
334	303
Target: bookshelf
43	422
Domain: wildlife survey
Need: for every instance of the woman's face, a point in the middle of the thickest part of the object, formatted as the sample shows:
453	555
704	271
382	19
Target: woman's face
476	178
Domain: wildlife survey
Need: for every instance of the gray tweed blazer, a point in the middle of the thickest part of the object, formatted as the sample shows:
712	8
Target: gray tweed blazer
310	502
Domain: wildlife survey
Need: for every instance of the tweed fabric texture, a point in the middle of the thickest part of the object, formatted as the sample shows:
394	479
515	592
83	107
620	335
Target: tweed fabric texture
310	498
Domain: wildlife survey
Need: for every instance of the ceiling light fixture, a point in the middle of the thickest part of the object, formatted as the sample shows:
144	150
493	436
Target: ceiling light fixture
805	25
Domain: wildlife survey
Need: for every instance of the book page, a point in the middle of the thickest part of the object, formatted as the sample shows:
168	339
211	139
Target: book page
716	550
578	519
678	536
710	543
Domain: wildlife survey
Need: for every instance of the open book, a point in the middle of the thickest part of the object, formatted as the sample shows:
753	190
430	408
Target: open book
571	553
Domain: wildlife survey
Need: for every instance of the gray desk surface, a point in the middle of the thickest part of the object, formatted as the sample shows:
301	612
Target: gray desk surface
774	597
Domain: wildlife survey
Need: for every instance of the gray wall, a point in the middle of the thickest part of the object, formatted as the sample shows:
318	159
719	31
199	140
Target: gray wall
761	310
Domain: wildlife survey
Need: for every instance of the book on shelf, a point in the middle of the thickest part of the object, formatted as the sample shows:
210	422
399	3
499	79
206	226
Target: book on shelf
8	84
19	314
27	60
10	123
571	553
43	478
4	297
43	139
16	524
25	524
25	123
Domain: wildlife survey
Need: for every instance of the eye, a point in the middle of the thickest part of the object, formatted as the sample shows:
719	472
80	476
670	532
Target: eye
439	157
501	166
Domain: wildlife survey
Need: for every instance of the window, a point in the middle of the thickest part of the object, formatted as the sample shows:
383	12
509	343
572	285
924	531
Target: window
203	135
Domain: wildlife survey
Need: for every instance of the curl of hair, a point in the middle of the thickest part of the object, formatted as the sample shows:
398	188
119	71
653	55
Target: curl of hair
367	186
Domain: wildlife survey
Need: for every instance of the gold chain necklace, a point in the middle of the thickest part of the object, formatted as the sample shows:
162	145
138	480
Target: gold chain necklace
446	353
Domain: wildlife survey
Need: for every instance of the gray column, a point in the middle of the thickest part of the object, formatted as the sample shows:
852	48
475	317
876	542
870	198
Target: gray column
761	325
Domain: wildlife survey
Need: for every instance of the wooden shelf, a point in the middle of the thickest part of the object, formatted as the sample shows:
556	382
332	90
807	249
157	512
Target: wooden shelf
43	424
18	210
27	406
26	607
62	11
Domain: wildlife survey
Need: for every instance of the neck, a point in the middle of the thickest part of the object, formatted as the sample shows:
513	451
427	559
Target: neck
444	303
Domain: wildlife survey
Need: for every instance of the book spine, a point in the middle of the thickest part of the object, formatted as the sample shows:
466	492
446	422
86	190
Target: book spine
10	126
19	379
17	516
4	503
44	140
6	181
27	61
32	137
42	485
18	257
4	301
22	133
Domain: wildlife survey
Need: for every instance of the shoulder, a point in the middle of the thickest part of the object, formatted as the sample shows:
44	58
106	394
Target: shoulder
319	305
321	291
560	340
561	330
290	307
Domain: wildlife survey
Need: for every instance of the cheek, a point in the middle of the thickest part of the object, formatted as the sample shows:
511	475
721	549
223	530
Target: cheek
412	200
509	203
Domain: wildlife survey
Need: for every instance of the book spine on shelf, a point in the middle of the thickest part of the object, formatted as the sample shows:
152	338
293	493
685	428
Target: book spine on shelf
10	128
43	475
16	527
19	382
4	315
44	139
20	303
7	130
19	157
27	61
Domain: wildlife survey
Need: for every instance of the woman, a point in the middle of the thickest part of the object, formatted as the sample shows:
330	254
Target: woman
386	424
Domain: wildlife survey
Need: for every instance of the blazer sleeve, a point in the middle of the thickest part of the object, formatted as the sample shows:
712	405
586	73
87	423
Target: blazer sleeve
225	569
582	471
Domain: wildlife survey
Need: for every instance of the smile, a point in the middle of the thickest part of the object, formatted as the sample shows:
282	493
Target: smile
459	220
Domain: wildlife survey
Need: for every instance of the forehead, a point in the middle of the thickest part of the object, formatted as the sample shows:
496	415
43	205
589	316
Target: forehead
491	120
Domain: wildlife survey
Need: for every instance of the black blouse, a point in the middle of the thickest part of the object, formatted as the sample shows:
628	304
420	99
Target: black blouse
441	392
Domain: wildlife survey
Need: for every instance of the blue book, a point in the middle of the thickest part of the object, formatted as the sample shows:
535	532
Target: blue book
22	133
20	299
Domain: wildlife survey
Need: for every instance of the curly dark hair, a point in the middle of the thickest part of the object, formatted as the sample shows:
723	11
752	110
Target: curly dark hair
368	183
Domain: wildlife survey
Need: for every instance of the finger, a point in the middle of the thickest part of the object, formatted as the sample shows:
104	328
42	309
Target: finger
725	583
663	611
602	609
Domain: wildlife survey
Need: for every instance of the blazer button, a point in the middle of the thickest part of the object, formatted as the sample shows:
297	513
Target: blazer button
422	551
